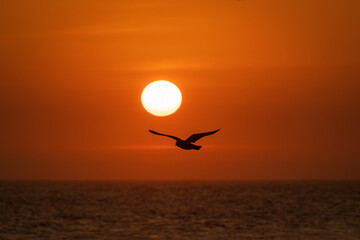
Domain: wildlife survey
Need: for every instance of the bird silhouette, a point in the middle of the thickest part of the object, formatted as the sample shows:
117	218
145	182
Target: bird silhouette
188	143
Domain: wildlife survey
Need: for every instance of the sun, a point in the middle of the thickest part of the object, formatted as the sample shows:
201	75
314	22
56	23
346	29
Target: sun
161	98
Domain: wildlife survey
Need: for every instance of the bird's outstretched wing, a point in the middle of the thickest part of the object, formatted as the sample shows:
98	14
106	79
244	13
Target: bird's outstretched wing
193	138
173	137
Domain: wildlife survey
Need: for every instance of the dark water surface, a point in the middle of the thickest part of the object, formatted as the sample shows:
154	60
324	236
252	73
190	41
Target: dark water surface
180	210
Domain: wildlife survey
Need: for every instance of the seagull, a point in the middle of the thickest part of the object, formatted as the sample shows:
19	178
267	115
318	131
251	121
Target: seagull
188	143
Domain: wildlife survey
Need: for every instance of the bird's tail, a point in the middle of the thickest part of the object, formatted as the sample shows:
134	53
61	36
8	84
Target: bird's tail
197	147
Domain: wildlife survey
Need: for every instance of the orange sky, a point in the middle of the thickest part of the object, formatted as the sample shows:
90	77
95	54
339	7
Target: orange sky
280	78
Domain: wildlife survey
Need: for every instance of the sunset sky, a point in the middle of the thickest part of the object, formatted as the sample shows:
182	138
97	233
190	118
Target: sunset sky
280	78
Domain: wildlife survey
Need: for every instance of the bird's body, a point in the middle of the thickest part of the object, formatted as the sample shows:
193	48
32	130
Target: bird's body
188	143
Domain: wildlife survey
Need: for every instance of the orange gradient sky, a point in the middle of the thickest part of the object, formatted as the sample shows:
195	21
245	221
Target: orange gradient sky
280	78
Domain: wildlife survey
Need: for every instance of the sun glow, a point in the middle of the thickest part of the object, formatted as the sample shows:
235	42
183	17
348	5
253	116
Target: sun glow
161	98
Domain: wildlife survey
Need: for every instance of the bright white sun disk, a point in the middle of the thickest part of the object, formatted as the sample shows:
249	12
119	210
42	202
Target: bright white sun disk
161	98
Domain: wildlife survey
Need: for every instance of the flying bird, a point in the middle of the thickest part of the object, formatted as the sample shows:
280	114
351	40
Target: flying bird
188	143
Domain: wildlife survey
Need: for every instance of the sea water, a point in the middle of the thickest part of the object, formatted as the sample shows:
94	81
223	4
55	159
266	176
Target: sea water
180	210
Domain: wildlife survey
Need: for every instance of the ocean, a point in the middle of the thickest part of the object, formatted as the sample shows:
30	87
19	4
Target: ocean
180	210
